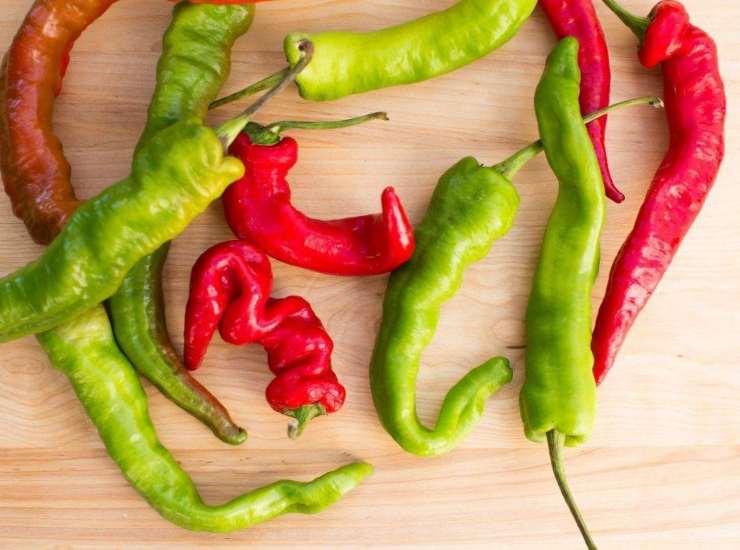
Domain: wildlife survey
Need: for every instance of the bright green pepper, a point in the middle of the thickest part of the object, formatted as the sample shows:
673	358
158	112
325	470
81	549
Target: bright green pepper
558	399
106	384
175	176
350	63
195	62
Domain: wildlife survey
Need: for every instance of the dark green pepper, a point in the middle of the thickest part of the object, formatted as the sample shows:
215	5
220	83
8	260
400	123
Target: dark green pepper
195	62
86	352
558	399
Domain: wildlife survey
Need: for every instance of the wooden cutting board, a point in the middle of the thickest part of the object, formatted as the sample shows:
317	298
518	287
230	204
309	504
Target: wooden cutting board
662	469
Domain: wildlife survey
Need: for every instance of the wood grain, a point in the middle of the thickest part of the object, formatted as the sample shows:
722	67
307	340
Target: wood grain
663	467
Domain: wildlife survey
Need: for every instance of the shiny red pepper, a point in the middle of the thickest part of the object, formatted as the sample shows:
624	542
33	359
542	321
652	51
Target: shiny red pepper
695	106
578	18
230	290
258	209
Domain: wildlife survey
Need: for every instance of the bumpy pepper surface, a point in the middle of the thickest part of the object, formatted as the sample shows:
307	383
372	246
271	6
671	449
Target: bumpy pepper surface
472	207
230	289
558	399
185	86
35	171
696	107
577	18
258	208
106	384
174	177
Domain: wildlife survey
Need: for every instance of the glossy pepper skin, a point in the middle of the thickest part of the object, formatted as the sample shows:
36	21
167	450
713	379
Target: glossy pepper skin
696	107
230	290
258	208
174	177
35	172
348	63
185	86
472	207
559	393
107	386
577	18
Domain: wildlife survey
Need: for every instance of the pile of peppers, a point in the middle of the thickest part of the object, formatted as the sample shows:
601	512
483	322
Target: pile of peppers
94	297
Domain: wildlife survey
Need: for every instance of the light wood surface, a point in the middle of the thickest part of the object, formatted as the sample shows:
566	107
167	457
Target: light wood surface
663	466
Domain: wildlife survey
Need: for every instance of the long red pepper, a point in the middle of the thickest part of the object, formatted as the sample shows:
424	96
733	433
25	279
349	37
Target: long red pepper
230	290
695	107
36	174
258	208
578	18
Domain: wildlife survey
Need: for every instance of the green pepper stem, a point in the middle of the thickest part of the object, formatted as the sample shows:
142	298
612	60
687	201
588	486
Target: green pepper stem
555	446
270	134
230	129
252	89
636	24
514	163
301	417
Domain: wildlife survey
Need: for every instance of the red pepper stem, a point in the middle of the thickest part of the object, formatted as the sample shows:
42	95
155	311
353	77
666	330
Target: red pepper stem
301	417
515	162
636	24
270	134
231	129
555	446
252	89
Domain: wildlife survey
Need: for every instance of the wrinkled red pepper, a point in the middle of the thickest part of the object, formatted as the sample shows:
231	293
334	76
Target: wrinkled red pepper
258	208
695	106
230	290
578	18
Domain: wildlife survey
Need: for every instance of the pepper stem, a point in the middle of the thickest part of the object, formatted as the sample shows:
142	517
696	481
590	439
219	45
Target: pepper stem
555	446
270	134
515	162
252	89
230	129
636	24
301	417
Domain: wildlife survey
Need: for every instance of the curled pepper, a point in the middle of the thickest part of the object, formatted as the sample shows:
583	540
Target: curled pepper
258	208
35	171
558	398
351	63
696	107
107	386
230	290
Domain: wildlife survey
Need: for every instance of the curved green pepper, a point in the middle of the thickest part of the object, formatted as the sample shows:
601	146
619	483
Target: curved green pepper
471	207
195	62
175	176
106	384
558	399
350	63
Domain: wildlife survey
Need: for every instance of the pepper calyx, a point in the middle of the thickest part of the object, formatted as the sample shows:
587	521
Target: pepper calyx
301	416
636	24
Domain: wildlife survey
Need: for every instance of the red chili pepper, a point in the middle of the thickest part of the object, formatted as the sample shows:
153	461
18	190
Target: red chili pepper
695	107
258	209
230	290
578	18
35	172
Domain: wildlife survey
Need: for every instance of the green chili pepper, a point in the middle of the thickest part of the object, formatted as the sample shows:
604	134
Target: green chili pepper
195	62
348	63
471	207
558	399
175	176
106	384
